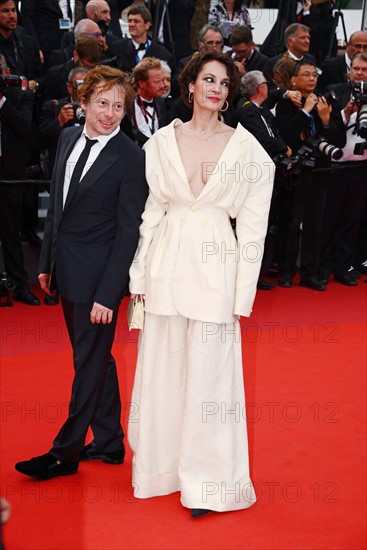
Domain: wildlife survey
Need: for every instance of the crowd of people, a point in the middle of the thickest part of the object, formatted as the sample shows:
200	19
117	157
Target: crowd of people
41	45
233	191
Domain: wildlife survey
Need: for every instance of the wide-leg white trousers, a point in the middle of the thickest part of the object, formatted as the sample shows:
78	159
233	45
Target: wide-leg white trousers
187	425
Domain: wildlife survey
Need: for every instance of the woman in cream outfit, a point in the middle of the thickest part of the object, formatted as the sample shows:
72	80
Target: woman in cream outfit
187	424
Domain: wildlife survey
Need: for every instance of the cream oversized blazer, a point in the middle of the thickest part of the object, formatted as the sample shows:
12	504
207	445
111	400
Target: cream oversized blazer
188	261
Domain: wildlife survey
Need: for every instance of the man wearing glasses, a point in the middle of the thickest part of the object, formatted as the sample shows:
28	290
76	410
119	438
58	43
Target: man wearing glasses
305	200
244	53
335	70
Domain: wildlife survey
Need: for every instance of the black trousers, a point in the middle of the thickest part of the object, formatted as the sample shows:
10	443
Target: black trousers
11	198
303	203
95	399
345	201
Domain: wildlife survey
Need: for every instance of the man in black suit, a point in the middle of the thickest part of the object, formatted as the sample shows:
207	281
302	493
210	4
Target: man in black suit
130	51
148	113
244	53
16	110
42	20
19	50
297	41
57	114
335	69
97	197
87	53
261	123
347	197
305	200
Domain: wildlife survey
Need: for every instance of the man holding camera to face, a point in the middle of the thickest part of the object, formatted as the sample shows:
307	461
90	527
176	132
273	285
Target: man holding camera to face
346	198
59	114
302	129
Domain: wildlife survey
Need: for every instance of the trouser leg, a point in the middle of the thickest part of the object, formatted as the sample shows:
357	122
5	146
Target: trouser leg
95	387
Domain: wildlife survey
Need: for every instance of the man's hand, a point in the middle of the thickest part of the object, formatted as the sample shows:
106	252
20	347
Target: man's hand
241	67
295	98
310	102
324	110
101	314
44	281
351	107
66	114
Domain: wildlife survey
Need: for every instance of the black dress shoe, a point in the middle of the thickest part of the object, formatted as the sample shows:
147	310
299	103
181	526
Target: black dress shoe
263	285
323	277
51	299
197	512
313	283
90	453
46	466
27	297
285	281
345	280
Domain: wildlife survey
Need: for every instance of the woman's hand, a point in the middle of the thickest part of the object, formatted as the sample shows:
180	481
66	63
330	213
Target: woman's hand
135	297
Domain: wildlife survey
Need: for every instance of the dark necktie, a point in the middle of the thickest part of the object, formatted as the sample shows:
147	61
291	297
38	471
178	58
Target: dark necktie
148	103
141	47
79	167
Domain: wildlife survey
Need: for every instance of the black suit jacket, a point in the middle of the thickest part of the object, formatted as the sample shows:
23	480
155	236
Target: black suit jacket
27	61
334	71
55	82
15	119
40	18
249	115
129	125
268	69
292	121
90	244
126	54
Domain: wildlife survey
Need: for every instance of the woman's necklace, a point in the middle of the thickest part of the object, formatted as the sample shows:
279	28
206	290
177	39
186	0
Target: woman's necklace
201	135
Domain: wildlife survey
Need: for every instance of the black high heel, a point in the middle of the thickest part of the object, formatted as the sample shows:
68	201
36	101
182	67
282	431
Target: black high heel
197	512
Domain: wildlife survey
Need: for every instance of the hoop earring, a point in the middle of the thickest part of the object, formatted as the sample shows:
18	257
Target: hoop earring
190	97
224	110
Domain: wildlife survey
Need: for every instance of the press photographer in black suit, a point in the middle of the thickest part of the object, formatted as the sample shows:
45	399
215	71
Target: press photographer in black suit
346	198
305	199
259	120
16	111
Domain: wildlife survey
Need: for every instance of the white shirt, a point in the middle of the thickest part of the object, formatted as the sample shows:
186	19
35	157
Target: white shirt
352	139
77	151
145	126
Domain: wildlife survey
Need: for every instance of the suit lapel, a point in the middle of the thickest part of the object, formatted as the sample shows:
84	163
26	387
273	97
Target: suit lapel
107	157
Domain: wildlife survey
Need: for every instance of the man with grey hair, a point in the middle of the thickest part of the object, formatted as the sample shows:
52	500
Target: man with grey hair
297	41
261	123
257	119
83	27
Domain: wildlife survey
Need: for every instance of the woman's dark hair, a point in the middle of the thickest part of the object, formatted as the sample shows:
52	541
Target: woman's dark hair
193	67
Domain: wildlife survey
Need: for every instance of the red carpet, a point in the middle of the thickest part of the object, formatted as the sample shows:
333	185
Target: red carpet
305	375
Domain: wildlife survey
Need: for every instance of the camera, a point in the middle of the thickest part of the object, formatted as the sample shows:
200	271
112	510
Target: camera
13	81
78	112
328	150
330	97
359	95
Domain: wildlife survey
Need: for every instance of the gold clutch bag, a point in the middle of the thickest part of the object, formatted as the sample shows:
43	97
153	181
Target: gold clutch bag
135	314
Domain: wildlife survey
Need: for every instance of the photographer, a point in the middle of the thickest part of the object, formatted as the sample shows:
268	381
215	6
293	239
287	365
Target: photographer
305	200
16	109
347	195
59	114
260	122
